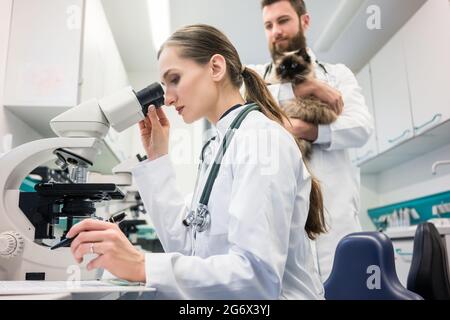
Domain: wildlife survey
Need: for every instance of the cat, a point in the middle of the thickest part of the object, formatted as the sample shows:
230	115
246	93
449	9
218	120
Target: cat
296	67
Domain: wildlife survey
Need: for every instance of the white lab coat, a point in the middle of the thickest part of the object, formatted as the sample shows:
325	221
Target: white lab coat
257	247
331	164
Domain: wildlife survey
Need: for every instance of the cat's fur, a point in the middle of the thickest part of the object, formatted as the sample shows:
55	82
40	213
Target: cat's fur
296	67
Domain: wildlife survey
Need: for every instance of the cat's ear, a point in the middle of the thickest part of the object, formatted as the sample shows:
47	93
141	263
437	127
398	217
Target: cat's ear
303	52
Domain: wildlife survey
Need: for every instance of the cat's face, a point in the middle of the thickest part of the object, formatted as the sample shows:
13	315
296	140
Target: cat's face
294	66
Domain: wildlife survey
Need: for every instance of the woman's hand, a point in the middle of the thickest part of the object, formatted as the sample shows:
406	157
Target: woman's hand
155	133
115	252
321	91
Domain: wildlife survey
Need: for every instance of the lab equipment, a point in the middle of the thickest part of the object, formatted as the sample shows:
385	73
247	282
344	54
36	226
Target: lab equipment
28	220
68	241
412	212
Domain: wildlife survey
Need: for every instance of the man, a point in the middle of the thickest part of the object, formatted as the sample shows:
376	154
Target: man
286	22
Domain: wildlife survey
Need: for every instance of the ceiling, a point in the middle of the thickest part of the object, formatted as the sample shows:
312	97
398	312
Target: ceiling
242	22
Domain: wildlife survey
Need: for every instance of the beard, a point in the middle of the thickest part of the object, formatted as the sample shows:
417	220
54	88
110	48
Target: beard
296	43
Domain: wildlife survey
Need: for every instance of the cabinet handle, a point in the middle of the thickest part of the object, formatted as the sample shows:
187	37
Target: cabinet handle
405	254
436	116
399	138
364	157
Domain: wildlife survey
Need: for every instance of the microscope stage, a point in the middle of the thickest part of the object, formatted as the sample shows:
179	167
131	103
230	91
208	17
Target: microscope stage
89	190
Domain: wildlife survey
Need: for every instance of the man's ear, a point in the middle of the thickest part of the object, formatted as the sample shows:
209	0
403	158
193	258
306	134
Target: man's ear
305	20
218	67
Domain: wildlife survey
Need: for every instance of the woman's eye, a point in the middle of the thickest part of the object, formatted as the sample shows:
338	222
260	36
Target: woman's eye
175	80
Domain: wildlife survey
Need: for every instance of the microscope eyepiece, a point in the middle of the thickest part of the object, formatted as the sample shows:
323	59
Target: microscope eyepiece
152	95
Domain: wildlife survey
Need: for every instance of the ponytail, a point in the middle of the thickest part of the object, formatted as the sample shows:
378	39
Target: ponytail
315	224
257	91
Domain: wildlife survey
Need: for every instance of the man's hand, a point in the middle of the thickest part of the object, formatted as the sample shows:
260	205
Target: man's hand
321	91
302	129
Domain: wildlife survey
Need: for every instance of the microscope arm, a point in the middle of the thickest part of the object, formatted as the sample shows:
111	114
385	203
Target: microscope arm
19	162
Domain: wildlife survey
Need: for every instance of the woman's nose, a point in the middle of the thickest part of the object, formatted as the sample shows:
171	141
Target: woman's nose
169	99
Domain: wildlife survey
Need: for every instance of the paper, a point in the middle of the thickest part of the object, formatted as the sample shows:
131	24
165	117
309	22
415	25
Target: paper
50	287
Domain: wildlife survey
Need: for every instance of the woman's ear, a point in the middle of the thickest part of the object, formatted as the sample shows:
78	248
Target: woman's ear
218	67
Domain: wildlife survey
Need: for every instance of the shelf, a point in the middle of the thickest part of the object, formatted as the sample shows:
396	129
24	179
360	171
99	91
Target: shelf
426	142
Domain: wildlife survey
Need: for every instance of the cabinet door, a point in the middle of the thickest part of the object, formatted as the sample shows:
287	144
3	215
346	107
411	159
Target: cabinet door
370	150
44	53
103	72
5	16
391	95
427	53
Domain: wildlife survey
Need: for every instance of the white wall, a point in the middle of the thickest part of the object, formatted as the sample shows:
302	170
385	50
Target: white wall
9	124
408	181
185	140
369	199
414	179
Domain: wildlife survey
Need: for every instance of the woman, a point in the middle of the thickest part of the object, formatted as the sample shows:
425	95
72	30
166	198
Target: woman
256	245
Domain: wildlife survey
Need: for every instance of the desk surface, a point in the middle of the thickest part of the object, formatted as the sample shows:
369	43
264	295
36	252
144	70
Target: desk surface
61	296
11	288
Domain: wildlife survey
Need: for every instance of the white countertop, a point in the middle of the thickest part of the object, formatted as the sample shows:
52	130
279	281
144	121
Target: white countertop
409	232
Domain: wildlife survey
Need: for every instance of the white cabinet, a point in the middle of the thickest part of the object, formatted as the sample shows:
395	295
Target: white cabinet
427	53
391	95
411	89
44	53
102	71
370	150
61	53
5	16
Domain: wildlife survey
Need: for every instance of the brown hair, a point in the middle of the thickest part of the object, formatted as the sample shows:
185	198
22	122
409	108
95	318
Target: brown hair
199	43
298	5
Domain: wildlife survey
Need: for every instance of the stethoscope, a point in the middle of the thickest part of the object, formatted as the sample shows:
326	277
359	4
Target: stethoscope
199	219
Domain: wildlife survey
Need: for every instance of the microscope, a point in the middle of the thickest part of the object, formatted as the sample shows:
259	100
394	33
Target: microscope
29	220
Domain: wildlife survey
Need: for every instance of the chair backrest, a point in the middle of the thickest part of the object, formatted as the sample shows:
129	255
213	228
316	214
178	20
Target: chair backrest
428	275
364	269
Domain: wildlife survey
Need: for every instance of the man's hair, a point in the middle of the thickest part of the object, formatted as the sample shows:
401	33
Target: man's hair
298	5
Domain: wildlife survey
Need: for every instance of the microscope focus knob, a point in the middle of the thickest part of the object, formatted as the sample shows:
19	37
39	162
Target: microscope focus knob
11	244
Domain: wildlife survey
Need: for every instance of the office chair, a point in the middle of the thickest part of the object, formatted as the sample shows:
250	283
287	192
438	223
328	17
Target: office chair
428	275
364	269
